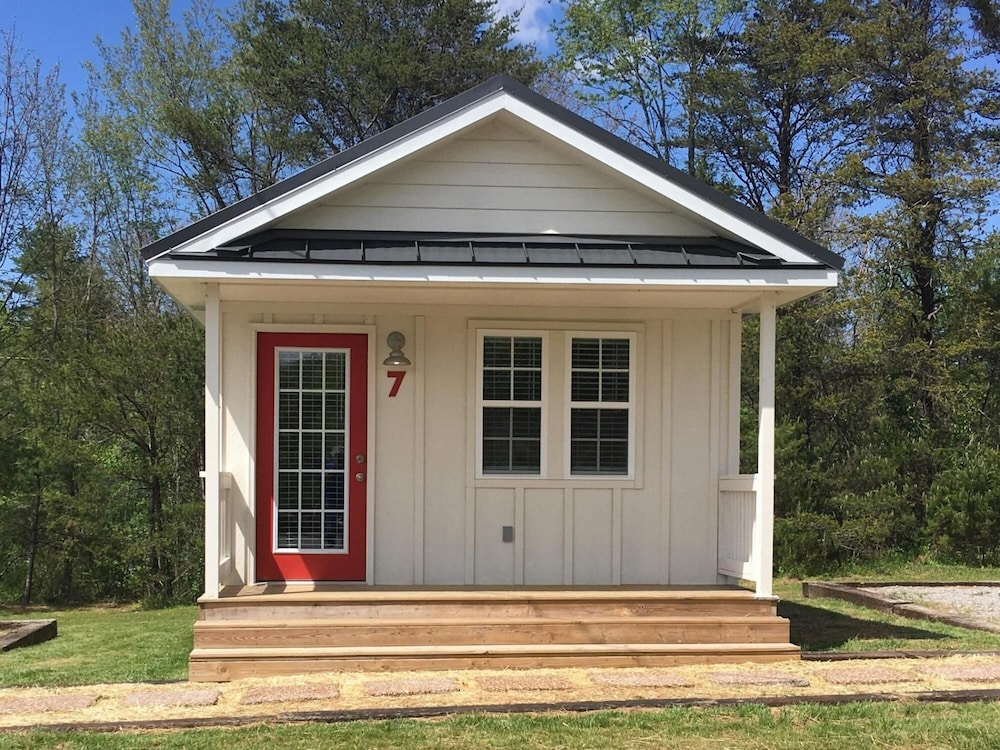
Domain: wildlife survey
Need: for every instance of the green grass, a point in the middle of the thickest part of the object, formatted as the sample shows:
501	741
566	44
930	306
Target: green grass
103	644
125	644
859	726
835	625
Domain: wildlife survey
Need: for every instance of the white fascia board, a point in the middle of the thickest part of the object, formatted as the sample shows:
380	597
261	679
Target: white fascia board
257	218
708	210
252	271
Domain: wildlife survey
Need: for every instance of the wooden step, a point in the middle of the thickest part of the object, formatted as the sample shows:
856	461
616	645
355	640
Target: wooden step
494	630
370	603
220	665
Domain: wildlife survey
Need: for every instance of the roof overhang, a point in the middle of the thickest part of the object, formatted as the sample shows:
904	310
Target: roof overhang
736	288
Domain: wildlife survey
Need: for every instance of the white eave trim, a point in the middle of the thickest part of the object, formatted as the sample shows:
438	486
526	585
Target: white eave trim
257	271
257	218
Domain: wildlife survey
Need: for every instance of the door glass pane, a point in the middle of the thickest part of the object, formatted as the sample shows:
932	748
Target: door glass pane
311	406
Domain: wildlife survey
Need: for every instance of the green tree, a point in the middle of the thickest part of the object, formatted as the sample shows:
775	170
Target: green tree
647	67
342	70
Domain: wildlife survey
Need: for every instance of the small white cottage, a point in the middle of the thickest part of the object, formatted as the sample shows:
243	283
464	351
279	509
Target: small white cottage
472	398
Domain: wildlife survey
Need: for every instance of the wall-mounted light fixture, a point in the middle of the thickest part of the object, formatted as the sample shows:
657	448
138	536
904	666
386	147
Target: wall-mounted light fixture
396	358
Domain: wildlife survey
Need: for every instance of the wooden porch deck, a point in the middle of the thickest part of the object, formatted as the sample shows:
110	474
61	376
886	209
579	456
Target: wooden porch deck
293	629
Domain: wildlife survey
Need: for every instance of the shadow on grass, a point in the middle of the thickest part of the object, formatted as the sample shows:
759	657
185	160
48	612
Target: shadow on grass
818	629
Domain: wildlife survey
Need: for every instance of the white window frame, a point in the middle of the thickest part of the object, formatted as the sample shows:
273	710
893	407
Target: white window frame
630	405
276	471
542	403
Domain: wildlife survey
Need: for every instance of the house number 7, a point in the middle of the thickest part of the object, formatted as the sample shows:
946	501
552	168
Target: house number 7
397	377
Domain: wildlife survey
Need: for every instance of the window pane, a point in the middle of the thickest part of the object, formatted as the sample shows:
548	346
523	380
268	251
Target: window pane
288	450
312	370
496	385
288	369
336	369
496	422
528	352
614	424
614	354
311	490
288	530
333	496
288	490
527	385
526	423
585	386
334	451
496	351
583	457
614	457
312	411
335	409
312	450
583	423
614	386
496	456
586	353
526	456
288	411
312	530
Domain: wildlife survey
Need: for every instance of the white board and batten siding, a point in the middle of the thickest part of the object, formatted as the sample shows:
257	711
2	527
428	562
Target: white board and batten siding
435	521
497	177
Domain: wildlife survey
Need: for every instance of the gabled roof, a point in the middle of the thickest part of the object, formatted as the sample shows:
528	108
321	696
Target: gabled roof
726	206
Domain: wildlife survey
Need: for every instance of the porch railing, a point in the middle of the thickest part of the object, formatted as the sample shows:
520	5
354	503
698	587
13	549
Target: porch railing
737	518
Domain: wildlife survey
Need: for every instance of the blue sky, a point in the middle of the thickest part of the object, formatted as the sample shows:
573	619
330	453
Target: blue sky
63	31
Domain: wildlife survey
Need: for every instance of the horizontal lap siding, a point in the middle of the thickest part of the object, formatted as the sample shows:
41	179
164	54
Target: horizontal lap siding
496	179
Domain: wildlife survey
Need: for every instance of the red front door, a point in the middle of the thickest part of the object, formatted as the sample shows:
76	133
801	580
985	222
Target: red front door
312	456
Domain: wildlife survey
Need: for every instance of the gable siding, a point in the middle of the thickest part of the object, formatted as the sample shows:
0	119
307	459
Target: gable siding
497	178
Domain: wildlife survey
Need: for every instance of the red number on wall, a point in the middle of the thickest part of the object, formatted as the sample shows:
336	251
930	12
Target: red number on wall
397	376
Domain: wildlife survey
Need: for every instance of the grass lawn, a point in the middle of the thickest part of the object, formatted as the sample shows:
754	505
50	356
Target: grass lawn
103	644
859	726
835	625
125	644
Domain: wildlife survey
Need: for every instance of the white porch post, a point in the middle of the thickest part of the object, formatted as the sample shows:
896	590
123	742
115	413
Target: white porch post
213	423
764	522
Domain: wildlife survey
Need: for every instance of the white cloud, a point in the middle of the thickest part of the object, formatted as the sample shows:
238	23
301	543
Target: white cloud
534	21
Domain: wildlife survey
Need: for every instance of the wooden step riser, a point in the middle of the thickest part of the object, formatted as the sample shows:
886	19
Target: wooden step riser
231	610
223	670
772	630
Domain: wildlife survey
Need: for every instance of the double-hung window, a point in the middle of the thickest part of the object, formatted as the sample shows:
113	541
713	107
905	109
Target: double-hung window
589	375
511	399
600	404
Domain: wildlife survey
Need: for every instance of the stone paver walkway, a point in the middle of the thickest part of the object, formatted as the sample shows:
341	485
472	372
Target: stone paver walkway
355	691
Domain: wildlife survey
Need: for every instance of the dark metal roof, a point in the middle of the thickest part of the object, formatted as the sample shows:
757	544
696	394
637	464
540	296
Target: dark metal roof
452	249
509	86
